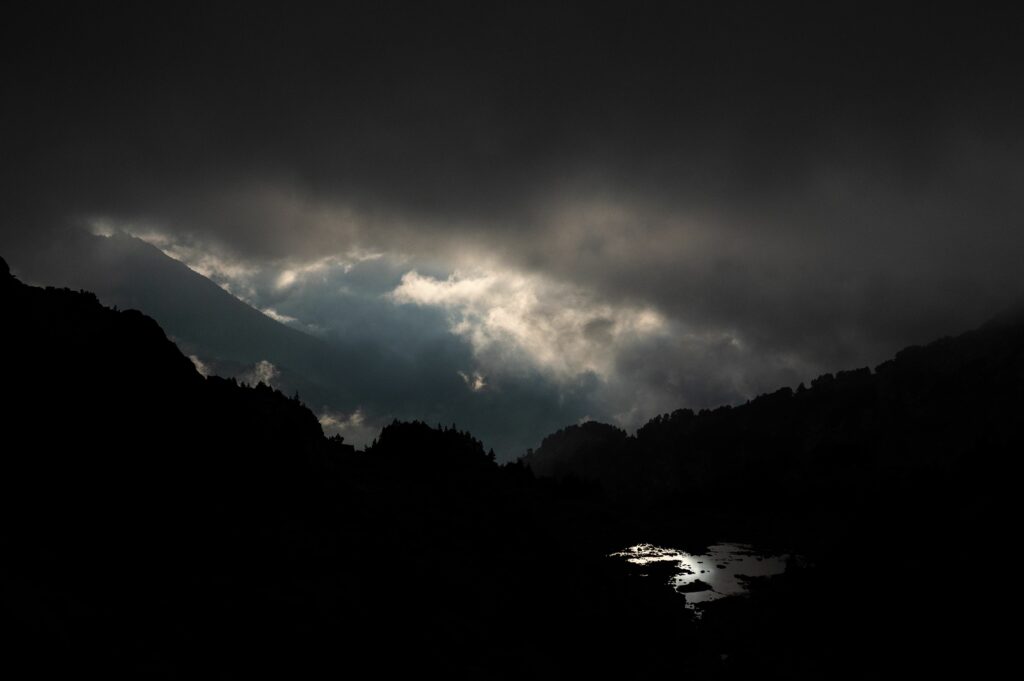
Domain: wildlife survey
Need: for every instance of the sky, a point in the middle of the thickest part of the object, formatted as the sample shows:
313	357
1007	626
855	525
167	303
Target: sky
588	211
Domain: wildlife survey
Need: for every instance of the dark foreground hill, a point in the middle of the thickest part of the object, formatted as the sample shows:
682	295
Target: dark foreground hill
159	523
353	366
933	428
899	484
225	333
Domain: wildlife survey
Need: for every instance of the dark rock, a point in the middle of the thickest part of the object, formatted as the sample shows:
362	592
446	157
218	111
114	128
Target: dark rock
694	587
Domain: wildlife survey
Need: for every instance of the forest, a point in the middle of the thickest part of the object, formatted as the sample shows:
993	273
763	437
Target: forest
159	523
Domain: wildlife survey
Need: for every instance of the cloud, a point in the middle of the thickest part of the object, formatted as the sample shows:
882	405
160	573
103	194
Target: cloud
262	372
385	360
352	426
277	316
601	212
510	318
200	366
475	381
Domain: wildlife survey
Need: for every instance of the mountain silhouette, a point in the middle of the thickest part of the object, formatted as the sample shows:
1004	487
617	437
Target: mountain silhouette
204	319
157	522
888	480
934	416
375	361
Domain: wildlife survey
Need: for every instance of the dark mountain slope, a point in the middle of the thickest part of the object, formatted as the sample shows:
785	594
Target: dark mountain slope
898	485
203	318
408	370
942	415
158	523
589	450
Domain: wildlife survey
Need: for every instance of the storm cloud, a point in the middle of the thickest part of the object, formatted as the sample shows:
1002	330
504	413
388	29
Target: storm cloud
638	207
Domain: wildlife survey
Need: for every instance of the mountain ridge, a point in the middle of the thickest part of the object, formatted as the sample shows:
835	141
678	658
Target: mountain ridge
157	519
945	410
357	377
205	319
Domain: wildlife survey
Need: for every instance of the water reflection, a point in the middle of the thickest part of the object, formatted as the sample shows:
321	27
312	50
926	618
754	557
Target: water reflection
722	571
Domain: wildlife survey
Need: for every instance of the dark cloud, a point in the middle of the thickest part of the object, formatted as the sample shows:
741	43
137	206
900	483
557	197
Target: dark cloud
791	188
462	111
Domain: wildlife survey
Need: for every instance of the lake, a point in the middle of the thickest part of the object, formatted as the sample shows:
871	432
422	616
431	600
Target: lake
722	571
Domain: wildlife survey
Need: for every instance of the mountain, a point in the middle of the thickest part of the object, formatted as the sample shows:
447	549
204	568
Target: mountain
586	451
940	418
228	335
377	363
895	484
156	522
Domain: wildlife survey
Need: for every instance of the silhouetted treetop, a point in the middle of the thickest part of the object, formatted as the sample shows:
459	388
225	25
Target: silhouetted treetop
948	409
158	522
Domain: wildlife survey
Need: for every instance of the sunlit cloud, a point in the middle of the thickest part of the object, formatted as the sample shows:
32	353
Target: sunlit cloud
475	380
512	319
262	372
201	366
353	426
510	329
277	316
299	272
100	226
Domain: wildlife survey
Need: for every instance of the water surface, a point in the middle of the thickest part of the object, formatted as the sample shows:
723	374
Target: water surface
722	571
